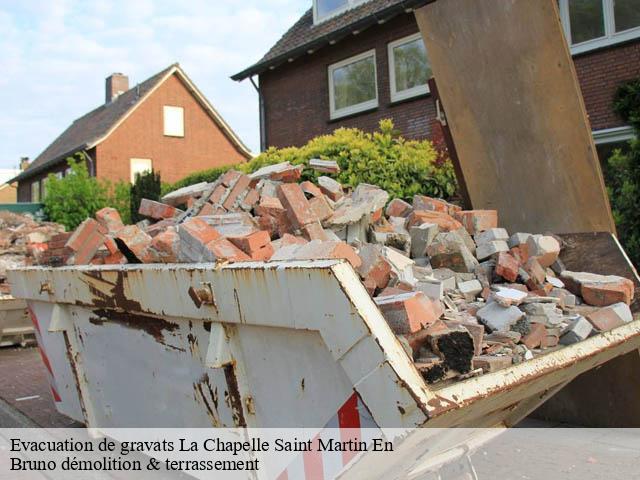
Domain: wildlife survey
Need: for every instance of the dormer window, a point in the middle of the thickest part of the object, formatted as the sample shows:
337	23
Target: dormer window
325	9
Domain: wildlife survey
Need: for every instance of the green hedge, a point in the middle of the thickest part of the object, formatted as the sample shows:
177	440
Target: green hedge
402	167
622	173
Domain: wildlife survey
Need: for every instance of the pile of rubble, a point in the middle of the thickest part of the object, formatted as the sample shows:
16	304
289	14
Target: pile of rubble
23	241
463	296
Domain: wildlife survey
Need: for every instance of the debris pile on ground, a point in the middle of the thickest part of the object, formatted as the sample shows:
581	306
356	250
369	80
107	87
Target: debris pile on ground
463	295
23	241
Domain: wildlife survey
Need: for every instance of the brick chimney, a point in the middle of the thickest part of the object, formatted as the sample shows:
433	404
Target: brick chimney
24	163
116	84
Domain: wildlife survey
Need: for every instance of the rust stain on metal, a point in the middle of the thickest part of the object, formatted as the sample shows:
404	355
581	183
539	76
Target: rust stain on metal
114	296
237	299
74	370
207	326
232	397
440	405
193	343
154	326
193	294
200	394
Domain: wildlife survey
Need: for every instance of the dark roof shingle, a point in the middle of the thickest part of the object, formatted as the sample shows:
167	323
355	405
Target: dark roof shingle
89	128
305	35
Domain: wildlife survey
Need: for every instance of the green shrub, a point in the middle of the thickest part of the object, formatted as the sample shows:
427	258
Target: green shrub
402	167
622	174
146	185
70	200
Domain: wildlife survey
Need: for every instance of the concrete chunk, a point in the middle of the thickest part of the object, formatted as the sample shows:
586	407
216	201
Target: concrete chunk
498	318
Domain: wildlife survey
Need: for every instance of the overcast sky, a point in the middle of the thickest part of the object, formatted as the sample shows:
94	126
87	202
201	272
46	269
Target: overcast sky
55	55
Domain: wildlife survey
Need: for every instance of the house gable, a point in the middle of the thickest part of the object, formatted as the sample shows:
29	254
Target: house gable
141	135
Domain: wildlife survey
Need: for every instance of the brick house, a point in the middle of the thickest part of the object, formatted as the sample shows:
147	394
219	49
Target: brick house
350	63
164	123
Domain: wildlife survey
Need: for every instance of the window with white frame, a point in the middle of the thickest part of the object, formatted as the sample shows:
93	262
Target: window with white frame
140	166
35	192
612	139
353	86
409	68
590	24
173	121
325	9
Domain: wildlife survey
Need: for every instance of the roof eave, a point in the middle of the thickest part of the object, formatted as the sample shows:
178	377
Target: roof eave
335	35
30	172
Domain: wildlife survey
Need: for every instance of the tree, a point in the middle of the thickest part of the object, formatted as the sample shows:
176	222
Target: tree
622	173
146	185
70	200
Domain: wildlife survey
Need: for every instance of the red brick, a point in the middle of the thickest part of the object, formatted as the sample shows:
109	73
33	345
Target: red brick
207	209
535	336
165	245
200	230
444	221
295	203
407	313
251	199
398	208
537	274
314	231
85	241
263	254
375	267
229	178
317	250
110	219
321	207
603	294
116	258
217	194
136	241
476	221
252	242
238	188
421	202
157	210
311	189
224	250
507	267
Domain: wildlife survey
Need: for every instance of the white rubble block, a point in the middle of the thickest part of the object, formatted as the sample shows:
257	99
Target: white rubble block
432	288
487	249
180	196
470	289
509	296
330	185
324	166
421	238
366	199
555	281
491	235
498	318
545	313
545	248
518	239
578	330
401	265
266	172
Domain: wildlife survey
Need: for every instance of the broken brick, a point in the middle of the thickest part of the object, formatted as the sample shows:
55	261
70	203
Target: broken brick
375	266
110	219
134	243
318	250
398	208
157	210
252	242
311	189
476	221
507	267
408	312
241	184
223	250
330	188
445	222
85	241
536	334
321	208
296	204
610	317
